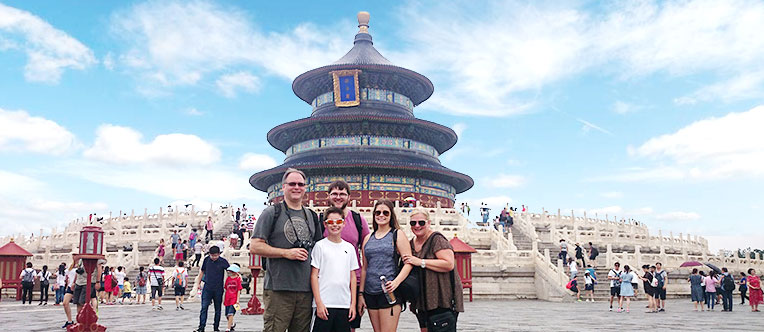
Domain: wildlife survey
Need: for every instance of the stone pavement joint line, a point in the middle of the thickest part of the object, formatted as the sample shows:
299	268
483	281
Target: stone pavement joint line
481	315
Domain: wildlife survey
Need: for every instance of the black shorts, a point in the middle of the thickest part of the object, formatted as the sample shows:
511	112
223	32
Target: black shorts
337	321
589	287
615	291
650	291
180	291
422	319
660	293
69	290
156	290
80	294
378	301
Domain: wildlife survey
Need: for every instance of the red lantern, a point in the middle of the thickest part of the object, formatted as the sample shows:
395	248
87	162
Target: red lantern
91	240
463	260
254	307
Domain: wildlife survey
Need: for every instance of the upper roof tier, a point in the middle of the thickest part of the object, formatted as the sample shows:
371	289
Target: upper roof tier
376	72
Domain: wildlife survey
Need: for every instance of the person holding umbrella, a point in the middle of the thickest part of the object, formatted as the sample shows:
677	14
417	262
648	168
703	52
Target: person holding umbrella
754	286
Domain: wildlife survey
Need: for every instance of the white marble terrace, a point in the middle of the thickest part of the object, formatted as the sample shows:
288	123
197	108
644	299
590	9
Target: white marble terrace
627	242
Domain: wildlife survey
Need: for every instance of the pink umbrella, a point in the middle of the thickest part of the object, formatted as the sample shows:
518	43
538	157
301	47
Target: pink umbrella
691	263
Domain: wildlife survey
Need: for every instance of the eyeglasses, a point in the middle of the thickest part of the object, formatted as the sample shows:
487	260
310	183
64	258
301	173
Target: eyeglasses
296	184
414	222
338	194
380	212
335	221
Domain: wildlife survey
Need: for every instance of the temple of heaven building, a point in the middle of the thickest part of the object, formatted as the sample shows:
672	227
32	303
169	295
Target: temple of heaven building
363	130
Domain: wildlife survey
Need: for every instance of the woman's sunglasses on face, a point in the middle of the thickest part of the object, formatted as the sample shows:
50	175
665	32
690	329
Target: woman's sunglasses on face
335	221
380	212
414	222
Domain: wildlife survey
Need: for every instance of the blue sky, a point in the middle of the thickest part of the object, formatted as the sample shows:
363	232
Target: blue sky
646	110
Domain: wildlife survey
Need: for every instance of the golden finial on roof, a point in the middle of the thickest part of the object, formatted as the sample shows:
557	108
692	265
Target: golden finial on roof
363	22
12	240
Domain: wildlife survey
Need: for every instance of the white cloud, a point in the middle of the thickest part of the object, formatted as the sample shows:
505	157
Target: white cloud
587	126
612	194
711	148
228	84
20	131
459	128
256	162
505	181
747	85
621	107
194	112
501	68
215	183
123	145
172	43
732	242
49	51
27	199
678	216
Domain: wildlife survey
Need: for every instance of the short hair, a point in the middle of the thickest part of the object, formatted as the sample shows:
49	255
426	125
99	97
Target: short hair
617	264
658	263
214	250
339	185
127	279
180	264
420	211
694	270
653	267
332	210
742	274
156	260
29	264
290	171
725	269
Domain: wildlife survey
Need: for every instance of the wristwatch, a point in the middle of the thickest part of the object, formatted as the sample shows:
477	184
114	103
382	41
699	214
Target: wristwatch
423	264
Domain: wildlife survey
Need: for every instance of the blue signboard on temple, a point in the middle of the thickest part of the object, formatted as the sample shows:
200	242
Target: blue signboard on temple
346	88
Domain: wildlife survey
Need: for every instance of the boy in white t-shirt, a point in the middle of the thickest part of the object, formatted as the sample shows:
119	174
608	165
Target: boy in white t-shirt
332	277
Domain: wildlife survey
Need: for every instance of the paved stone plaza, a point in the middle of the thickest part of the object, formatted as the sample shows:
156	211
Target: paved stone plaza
480	316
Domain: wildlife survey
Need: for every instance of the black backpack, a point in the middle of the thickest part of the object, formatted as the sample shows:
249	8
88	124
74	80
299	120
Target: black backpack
358	226
728	283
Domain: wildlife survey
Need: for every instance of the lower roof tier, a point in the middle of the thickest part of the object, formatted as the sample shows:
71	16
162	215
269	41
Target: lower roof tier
365	164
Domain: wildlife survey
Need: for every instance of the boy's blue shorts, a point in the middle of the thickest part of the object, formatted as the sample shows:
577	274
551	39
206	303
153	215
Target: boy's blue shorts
230	310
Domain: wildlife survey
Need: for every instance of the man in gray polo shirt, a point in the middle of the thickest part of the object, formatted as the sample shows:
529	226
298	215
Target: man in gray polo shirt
286	240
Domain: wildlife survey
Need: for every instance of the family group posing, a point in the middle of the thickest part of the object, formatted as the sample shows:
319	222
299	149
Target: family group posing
334	264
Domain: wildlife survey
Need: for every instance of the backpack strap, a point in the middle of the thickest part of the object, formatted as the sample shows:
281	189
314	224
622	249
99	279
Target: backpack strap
318	225
358	227
321	222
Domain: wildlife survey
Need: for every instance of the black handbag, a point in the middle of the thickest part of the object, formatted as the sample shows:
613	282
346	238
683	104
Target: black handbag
408	290
444	321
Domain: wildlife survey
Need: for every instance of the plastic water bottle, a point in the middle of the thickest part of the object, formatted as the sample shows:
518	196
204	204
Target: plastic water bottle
388	295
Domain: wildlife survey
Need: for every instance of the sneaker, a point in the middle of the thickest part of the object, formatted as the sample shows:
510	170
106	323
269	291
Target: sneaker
199	330
67	324
44	304
177	308
153	308
661	310
619	310
611	309
580	300
181	307
39	303
159	307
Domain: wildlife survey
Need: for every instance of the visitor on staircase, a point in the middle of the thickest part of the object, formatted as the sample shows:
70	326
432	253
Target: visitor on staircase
209	228
178	282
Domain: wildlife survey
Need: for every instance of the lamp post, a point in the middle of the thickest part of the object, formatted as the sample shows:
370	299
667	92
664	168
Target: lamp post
253	306
91	250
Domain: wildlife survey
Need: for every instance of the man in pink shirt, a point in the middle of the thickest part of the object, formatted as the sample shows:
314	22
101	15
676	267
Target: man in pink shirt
339	196
208	227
